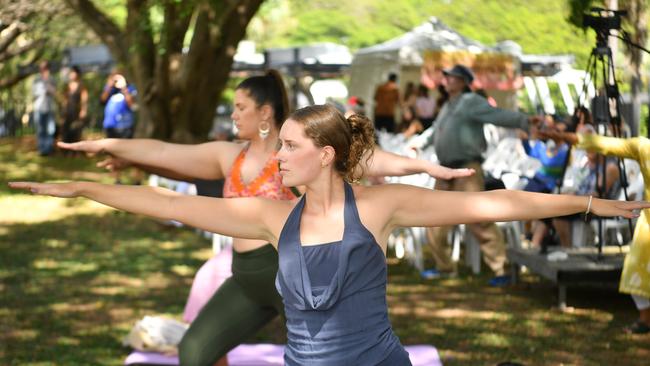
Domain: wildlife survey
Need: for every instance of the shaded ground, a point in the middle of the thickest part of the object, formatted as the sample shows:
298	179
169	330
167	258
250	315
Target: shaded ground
75	276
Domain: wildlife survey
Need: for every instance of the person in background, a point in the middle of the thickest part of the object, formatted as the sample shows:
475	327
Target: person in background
387	98
119	99
407	106
75	107
425	107
459	142
552	154
635	278
424	110
119	117
44	93
591	184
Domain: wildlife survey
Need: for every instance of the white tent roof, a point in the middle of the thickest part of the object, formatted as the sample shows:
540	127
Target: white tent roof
431	35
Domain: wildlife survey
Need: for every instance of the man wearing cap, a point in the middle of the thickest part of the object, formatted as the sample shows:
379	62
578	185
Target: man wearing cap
459	142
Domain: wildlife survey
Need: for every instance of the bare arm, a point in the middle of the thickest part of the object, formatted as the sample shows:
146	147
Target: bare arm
237	217
421	207
196	161
383	163
83	112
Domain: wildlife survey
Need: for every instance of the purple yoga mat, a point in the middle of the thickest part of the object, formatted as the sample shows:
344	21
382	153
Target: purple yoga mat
272	355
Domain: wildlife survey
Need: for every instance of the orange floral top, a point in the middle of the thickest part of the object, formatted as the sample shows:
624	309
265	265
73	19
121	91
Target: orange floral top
268	184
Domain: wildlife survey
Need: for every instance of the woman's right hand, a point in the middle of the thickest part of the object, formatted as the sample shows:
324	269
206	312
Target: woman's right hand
91	147
63	190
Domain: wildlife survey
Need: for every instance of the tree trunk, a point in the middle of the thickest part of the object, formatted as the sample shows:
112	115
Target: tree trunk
177	92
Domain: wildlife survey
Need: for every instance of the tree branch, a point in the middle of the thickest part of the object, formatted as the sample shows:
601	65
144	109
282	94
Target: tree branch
4	56
103	26
13	30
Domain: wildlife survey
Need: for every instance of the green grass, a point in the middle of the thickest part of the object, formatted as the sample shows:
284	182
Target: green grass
75	276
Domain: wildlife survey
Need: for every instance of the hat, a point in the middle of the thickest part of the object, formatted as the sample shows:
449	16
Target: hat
460	71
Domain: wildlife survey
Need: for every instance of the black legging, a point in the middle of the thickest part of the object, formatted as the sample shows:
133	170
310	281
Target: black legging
242	305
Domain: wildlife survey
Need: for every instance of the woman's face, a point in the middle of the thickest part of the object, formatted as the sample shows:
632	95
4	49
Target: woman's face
247	116
73	76
300	160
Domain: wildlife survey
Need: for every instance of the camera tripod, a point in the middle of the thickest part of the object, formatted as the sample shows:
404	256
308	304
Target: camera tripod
606	105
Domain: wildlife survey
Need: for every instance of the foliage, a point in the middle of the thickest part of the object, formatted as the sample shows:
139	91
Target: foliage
33	31
540	27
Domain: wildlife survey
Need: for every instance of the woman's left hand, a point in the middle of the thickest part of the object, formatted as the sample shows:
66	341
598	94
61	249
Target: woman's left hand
610	208
442	172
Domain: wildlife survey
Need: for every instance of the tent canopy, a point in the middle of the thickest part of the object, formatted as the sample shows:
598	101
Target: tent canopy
431	35
420	55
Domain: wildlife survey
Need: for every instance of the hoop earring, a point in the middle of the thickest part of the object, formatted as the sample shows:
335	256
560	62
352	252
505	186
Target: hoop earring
264	131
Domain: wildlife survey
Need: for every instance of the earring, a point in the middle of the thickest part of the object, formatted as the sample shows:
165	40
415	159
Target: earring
264	129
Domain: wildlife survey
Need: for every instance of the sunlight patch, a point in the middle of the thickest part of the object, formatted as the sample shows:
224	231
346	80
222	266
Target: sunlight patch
108	290
171	245
203	254
67	341
24	334
183	270
35	209
492	340
67	268
56	243
65	307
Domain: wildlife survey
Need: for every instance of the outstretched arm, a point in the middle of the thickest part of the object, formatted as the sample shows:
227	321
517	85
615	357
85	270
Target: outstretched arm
384	163
421	207
197	161
615	146
237	217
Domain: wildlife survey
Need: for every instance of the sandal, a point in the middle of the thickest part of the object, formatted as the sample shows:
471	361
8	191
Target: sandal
638	327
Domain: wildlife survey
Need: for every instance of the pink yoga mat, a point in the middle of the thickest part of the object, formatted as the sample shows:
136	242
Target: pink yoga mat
272	355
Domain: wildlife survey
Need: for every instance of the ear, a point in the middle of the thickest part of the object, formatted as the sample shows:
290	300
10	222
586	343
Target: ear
327	156
267	113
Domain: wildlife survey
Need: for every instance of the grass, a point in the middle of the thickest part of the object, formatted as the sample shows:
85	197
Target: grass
75	276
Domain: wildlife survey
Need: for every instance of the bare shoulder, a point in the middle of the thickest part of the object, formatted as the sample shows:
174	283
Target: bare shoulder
277	212
225	151
384	198
387	190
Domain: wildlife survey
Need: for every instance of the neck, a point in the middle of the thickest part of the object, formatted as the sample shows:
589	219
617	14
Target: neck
325	193
269	144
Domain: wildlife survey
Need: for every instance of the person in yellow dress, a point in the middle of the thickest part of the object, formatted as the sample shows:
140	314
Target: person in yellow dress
635	279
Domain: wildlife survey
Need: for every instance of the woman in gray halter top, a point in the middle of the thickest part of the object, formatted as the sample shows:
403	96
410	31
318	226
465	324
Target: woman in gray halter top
332	242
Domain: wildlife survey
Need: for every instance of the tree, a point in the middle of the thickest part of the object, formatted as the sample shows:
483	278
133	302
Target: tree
177	91
635	24
20	46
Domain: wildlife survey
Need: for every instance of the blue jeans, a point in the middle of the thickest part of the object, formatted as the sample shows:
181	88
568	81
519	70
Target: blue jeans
45	129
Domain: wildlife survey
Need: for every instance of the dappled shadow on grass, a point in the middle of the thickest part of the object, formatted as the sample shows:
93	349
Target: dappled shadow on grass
81	282
19	160
473	324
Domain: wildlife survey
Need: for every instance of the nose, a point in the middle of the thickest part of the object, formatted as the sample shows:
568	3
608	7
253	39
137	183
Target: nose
280	155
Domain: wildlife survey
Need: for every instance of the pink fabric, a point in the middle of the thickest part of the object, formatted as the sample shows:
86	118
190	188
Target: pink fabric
273	354
206	282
